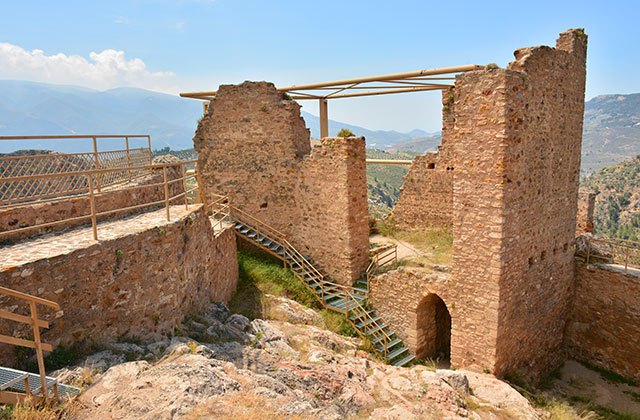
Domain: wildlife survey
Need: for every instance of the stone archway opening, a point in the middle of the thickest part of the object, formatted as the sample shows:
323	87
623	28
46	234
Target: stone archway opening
434	330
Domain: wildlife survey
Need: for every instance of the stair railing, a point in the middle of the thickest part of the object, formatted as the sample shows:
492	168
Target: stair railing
37	344
291	254
388	255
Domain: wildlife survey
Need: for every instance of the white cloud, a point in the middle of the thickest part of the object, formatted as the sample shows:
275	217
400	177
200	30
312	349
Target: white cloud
102	70
122	20
179	25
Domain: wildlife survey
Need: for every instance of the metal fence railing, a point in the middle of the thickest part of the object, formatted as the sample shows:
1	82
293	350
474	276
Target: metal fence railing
176	184
613	251
21	173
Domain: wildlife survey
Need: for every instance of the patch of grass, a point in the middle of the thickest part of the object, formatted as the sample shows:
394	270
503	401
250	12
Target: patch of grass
261	274
31	410
634	395
338	323
437	244
608	375
547	381
61	356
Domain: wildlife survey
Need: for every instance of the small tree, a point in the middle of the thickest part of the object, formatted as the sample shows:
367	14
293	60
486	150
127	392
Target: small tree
345	132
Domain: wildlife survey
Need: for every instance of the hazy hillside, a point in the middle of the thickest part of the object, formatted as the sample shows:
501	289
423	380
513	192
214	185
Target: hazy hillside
384	181
378	139
617	212
28	108
611	130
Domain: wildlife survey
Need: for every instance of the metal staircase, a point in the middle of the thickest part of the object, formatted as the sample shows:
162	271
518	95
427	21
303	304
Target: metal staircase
350	301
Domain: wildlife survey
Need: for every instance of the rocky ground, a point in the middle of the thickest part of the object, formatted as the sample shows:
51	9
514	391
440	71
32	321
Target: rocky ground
226	366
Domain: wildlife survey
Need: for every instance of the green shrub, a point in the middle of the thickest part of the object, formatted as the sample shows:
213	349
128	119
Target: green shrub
345	132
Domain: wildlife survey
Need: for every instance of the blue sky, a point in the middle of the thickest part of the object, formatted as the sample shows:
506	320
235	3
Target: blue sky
178	45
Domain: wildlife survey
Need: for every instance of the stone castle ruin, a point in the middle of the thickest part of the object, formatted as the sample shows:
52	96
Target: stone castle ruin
517	297
505	180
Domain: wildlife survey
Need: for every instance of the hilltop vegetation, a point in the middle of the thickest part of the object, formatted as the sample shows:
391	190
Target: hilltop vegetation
384	181
617	212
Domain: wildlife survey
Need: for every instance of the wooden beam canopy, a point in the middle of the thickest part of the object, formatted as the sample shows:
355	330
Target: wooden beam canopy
384	84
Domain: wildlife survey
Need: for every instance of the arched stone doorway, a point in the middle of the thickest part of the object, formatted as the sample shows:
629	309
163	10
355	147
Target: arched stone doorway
433	329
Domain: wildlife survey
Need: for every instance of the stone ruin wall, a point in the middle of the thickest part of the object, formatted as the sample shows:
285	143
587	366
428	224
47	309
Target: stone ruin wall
604	327
253	146
115	197
397	295
517	157
586	207
426	195
139	285
515	144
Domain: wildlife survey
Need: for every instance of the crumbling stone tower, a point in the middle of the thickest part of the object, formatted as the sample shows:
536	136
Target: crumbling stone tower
254	147
517	142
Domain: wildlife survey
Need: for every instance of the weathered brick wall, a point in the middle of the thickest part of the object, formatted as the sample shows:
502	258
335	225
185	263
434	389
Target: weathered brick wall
396	296
332	197
604	327
254	147
113	197
426	195
586	206
138	285
517	147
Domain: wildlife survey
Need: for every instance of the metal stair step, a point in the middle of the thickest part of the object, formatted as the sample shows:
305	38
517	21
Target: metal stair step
404	361
361	324
380	338
252	234
266	242
397	352
360	289
378	328
244	230
359	314
389	346
239	226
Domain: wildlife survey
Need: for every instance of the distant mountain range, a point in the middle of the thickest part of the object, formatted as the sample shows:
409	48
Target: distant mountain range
611	130
28	108
378	139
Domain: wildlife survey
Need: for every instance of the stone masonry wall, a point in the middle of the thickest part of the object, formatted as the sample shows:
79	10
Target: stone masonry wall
604	327
426	196
138	285
332	197
517	146
396	296
586	206
254	147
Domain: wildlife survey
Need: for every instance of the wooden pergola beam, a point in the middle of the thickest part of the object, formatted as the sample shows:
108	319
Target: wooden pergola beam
340	85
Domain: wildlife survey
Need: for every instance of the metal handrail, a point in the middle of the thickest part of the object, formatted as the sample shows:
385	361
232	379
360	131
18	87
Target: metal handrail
351	302
92	193
95	158
631	254
36	343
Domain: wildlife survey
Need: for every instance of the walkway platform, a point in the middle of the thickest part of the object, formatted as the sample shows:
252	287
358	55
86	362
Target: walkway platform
62	243
12	380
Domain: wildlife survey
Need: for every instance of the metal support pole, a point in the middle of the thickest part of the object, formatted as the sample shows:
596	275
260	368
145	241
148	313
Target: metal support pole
149	147
38	344
92	206
324	119
184	185
96	161
126	140
166	192
202	192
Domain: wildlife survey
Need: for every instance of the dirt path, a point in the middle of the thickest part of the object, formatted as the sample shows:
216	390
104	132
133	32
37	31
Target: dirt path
405	250
581	383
